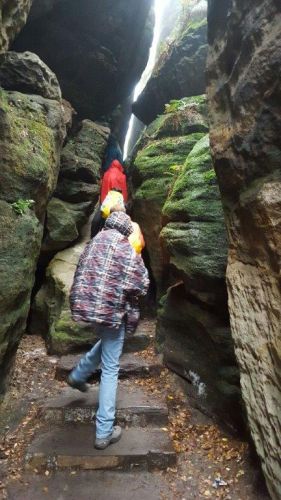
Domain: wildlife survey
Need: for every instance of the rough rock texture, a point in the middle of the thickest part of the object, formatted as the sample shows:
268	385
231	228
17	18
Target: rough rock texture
97	49
244	92
193	320
51	313
180	71
77	190
31	134
20	238
28	74
63	223
160	154
13	14
177	202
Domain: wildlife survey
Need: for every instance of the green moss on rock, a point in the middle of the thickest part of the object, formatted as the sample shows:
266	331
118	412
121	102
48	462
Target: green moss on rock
198	249
157	159
31	135
67	336
160	158
195	194
20	238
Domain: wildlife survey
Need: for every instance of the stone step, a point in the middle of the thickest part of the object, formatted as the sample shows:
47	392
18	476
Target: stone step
130	365
135	407
71	446
91	485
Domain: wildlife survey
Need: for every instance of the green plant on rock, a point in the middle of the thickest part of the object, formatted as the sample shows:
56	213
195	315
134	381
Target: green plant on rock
174	105
176	168
21	206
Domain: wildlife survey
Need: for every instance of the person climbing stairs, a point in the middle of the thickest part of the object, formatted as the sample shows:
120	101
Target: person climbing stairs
65	440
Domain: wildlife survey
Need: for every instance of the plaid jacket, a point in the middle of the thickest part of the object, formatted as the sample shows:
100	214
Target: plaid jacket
109	276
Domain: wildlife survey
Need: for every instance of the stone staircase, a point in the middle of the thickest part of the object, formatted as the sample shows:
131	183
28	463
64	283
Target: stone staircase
131	365
66	437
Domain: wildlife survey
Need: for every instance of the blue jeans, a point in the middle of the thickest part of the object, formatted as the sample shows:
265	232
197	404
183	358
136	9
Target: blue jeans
107	352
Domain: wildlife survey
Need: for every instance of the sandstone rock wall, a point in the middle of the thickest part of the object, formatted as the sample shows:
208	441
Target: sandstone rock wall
98	50
244	95
159	155
31	134
13	15
193	321
77	190
177	203
179	72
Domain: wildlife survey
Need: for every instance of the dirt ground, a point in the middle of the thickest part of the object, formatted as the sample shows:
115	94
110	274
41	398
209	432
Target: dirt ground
211	464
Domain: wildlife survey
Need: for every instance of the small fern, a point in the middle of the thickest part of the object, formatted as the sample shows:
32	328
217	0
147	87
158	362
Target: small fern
21	206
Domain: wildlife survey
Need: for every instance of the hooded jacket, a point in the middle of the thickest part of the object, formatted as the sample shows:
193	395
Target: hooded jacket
114	177
109	277
113	152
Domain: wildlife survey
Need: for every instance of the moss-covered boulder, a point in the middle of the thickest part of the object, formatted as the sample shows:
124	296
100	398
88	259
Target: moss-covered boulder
51	310
196	252
78	187
31	135
195	194
82	155
195	235
159	158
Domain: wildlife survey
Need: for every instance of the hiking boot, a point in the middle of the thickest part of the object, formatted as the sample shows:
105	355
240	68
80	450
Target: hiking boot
102	443
80	386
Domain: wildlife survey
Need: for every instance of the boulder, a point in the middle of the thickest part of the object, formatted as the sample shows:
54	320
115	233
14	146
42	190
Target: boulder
78	188
98	50
63	223
51	315
26	73
31	135
82	156
13	15
197	253
77	191
180	71
245	122
195	195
